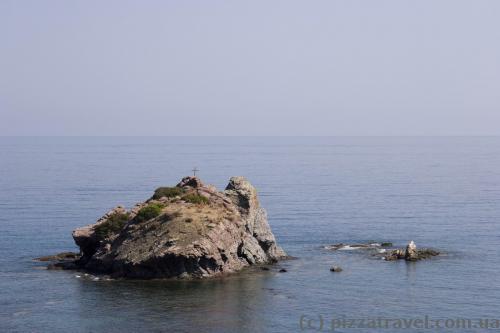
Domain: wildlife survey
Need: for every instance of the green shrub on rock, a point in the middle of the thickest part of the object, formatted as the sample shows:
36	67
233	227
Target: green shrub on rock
113	225
168	192
149	212
195	198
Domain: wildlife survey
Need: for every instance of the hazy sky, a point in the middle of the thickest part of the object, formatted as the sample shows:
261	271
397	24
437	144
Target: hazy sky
426	67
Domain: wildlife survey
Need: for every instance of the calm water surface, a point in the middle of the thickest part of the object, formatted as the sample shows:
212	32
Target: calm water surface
440	192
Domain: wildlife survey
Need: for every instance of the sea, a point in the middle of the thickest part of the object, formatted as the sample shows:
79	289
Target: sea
440	192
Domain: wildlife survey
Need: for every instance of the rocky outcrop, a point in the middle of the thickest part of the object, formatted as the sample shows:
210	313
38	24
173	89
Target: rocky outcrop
411	253
86	237
383	250
191	230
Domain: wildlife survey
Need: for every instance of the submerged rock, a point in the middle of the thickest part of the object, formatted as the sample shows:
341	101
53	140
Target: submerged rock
336	269
68	256
427	253
191	230
361	246
64	260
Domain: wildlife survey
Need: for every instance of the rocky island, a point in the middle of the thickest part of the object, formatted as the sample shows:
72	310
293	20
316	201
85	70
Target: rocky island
191	230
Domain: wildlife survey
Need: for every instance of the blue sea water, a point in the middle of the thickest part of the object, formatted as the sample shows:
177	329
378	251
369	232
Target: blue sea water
442	192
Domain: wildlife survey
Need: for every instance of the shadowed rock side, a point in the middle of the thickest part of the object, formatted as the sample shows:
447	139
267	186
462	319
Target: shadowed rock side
191	230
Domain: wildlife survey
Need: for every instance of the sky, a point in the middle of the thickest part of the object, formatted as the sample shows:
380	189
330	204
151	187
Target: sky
250	68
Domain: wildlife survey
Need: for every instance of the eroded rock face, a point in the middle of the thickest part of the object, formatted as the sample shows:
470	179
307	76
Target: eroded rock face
192	231
86	237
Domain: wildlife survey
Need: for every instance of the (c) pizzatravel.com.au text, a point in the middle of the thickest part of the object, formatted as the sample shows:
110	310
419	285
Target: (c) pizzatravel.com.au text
323	323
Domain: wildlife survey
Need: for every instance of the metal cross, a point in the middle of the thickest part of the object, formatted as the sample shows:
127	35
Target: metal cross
194	171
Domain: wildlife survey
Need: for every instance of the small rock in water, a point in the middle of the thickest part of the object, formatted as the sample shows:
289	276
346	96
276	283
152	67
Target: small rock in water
395	255
64	256
386	244
411	252
283	270
427	253
336	269
264	268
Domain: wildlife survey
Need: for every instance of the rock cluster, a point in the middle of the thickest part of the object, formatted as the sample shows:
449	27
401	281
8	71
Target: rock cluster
386	251
411	253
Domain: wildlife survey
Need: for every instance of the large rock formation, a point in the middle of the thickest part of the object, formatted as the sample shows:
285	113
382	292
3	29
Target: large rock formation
191	230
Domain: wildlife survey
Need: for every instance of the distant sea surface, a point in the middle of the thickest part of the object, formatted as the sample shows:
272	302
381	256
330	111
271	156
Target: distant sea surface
441	192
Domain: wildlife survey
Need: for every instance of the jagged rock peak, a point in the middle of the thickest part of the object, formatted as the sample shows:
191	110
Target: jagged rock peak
411	252
190	181
242	193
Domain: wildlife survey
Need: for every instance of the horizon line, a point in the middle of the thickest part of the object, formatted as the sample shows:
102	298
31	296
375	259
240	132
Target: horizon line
262	136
